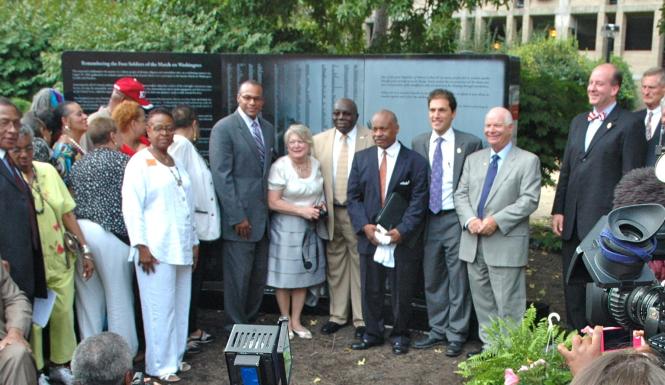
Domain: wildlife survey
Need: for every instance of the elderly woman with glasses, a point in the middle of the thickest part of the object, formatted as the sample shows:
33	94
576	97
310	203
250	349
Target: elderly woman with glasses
55	215
158	207
295	257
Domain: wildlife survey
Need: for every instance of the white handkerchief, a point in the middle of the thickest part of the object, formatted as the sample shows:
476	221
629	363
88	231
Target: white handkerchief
385	252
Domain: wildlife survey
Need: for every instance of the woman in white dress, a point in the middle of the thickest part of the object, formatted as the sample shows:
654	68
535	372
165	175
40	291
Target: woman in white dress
158	207
296	259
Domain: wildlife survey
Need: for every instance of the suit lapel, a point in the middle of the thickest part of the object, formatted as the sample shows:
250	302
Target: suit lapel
398	170
5	172
458	160
608	124
362	139
507	166
327	154
245	134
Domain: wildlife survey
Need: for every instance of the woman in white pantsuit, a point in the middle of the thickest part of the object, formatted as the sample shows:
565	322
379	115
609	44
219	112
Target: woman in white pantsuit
96	182
158	208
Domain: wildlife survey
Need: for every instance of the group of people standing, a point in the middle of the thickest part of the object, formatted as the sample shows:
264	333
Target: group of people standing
92	202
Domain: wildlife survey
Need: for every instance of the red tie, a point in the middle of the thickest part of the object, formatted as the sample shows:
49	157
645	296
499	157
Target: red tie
383	169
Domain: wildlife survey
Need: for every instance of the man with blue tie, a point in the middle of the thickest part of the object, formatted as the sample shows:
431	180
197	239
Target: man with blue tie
241	151
19	236
397	170
602	146
446	284
498	190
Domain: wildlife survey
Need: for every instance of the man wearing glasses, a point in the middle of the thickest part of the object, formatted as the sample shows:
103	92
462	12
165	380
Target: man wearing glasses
241	151
19	236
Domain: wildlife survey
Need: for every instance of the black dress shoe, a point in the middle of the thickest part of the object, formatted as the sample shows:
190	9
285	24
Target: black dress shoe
365	344
360	332
331	327
454	349
428	342
400	348
474	353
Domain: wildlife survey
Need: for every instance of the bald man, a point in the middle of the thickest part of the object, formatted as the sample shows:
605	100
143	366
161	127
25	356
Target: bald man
498	190
602	146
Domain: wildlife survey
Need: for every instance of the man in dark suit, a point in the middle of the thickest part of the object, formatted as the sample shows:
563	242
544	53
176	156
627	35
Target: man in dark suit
446	281
602	146
653	90
19	236
241	151
376	173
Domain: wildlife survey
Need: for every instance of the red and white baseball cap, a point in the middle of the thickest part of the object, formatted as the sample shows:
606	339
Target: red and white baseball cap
134	90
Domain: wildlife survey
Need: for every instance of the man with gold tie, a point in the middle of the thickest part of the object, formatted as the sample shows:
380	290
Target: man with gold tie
335	149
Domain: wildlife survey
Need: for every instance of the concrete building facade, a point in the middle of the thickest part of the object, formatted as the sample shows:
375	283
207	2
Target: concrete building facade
637	40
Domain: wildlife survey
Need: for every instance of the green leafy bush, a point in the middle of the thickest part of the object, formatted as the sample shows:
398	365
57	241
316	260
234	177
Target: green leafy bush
552	91
513	345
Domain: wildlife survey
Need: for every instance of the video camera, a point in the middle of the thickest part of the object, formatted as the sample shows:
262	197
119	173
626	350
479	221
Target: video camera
612	260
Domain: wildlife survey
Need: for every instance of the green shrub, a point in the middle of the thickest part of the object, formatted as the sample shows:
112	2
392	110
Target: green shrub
513	345
552	91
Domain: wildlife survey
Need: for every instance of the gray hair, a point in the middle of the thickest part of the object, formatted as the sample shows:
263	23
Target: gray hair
31	120
507	115
26	130
656	71
302	131
103	359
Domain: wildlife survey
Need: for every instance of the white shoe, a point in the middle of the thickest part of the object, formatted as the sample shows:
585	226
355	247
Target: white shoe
62	374
43	380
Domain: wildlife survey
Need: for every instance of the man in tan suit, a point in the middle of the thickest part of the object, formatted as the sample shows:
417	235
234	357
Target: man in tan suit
335	149
16	363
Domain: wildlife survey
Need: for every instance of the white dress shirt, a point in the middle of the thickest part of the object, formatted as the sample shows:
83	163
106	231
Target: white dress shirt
337	146
248	122
655	118
595	124
448	152
391	159
206	208
158	212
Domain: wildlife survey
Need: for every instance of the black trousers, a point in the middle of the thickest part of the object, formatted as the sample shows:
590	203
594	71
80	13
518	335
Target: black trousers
575	295
401	279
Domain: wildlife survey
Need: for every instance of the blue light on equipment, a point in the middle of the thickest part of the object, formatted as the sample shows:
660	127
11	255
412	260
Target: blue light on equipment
259	354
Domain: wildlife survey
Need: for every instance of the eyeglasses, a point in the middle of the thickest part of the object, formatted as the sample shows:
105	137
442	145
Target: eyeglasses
17	150
295	141
249	98
163	129
5	123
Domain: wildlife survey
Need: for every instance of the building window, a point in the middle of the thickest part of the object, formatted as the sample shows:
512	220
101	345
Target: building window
585	31
542	24
517	27
496	27
519	3
639	31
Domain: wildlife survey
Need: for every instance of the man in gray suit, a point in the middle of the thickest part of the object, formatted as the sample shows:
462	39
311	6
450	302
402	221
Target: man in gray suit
498	190
446	284
241	151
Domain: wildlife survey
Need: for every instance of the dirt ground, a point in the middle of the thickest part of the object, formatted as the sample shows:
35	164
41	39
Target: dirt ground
328	360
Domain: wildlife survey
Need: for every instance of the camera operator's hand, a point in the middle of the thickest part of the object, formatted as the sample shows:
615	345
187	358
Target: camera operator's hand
557	224
584	350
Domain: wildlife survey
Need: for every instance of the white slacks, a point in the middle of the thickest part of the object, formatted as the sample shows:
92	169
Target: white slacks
165	297
107	296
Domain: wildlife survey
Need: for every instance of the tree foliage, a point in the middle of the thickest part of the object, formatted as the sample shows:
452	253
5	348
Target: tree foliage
36	32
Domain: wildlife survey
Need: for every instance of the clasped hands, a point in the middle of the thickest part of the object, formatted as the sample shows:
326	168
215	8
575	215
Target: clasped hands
485	226
370	230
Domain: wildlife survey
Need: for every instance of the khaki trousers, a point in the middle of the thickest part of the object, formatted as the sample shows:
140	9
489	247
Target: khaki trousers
344	271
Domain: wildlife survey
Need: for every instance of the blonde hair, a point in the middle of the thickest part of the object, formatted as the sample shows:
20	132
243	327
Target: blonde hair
302	131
